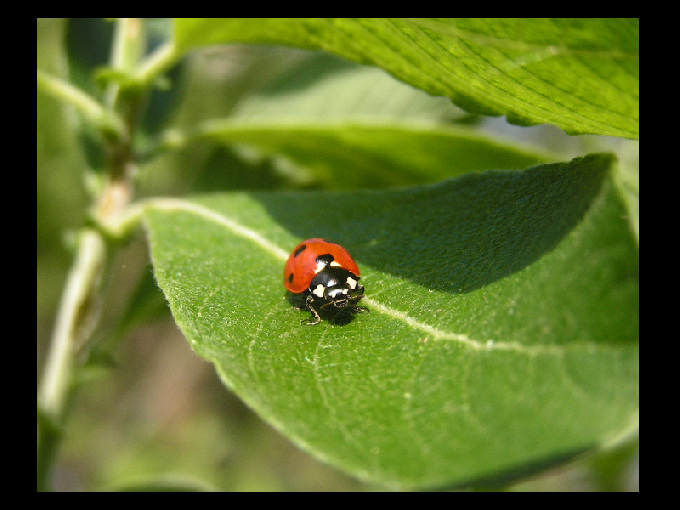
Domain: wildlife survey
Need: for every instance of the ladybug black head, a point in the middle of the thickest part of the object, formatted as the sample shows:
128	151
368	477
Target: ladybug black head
337	286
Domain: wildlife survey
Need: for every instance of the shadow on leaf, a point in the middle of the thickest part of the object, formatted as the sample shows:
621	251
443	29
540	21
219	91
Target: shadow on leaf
458	235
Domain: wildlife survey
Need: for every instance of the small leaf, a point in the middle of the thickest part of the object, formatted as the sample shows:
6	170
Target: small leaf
346	156
503	327
579	74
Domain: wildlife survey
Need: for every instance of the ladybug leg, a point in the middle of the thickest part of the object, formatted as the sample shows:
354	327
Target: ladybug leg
357	308
316	319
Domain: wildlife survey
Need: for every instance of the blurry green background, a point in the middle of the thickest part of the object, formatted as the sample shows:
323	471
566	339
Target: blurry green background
149	411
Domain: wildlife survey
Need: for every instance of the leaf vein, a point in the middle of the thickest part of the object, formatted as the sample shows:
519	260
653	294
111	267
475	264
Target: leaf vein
172	204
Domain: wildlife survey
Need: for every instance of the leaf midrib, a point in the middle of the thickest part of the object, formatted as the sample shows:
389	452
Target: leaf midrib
180	205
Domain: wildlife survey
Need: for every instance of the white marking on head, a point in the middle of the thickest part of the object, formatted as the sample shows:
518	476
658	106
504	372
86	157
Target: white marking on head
351	282
335	263
320	265
319	290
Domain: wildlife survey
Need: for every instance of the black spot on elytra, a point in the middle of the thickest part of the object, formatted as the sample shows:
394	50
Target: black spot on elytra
290	277
300	250
326	259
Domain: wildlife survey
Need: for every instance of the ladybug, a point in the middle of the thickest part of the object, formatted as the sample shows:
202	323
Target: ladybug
326	275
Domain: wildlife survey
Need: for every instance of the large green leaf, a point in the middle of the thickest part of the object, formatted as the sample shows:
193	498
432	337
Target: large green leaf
345	127
579	74
503	326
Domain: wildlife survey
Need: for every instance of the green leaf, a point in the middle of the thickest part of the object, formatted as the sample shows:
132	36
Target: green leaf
347	156
503	327
579	74
321	87
345	127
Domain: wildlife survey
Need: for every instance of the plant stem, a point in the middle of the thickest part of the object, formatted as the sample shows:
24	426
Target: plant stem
86	105
77	316
74	313
126	52
156	63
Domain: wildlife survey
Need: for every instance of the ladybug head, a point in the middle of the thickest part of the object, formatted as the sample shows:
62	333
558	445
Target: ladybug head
336	286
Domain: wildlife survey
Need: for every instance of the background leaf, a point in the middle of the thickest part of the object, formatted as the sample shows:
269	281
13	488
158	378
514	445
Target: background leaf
324	122
349	156
503	330
579	74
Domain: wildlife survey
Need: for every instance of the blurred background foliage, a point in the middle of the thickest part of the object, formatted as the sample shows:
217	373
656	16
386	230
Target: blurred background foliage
137	424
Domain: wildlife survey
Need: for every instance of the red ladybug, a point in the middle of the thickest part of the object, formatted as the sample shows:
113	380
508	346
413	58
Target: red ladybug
326	274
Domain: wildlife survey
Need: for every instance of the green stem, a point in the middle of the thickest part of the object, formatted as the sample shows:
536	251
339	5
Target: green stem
156	63
88	107
75	311
76	316
127	50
